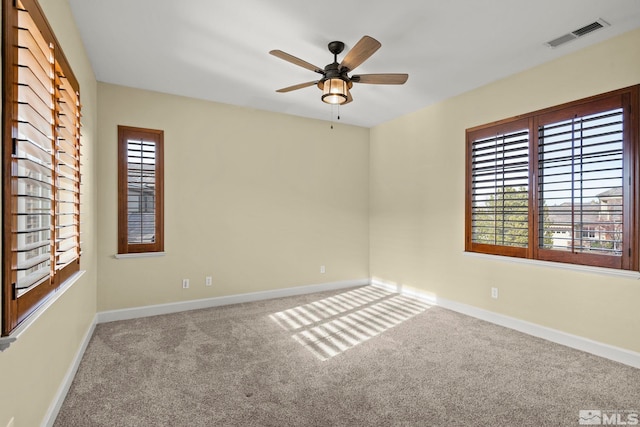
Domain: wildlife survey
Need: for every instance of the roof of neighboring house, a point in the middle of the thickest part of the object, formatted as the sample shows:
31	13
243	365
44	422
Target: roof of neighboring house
560	215
612	192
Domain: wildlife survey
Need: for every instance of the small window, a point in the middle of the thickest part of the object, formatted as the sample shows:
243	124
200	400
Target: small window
140	190
559	184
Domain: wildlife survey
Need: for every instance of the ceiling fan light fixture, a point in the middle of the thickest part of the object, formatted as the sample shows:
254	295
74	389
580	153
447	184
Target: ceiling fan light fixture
335	91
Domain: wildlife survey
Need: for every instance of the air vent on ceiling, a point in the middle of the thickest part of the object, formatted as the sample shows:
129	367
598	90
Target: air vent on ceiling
589	28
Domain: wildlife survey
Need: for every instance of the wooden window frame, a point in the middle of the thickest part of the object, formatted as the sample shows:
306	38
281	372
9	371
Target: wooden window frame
629	99
18	305
149	135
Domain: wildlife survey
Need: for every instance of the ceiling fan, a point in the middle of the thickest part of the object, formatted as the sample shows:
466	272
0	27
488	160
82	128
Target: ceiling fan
335	81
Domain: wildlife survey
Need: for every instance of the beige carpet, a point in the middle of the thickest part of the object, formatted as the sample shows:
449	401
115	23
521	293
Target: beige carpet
360	357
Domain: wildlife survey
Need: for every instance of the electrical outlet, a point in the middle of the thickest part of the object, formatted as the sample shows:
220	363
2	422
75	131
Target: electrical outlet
208	281
322	269
185	283
494	293
10	422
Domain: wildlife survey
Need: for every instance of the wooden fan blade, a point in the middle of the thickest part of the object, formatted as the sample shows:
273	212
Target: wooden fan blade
365	47
296	87
349	98
381	79
297	61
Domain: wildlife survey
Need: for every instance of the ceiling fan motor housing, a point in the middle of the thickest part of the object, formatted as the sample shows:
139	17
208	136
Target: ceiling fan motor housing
332	71
336	47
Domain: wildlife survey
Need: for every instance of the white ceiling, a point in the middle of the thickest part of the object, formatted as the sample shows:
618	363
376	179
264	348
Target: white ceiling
218	50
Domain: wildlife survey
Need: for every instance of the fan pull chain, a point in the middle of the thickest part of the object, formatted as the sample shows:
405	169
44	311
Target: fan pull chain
335	108
332	109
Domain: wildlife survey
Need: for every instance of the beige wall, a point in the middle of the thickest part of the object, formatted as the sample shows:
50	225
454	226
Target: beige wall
256	200
417	203
32	369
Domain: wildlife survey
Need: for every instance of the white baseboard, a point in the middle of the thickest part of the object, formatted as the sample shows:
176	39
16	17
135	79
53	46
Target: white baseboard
607	351
58	400
175	307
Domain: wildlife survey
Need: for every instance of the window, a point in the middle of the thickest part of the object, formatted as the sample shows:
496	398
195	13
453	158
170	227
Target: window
500	174
41	163
558	184
140	190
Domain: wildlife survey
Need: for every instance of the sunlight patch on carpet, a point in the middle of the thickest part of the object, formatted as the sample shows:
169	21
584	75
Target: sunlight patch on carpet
333	325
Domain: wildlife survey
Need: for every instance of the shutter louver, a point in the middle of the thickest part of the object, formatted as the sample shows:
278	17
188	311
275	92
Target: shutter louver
41	160
32	158
67	172
141	191
500	181
581	184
